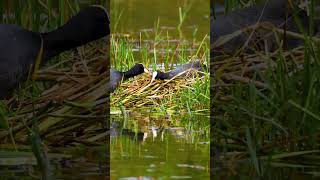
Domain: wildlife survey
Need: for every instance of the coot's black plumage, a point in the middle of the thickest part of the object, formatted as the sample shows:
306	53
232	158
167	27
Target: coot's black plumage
19	47
196	65
117	76
272	11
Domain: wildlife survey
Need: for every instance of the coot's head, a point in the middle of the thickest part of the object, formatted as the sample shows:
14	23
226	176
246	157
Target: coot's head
96	19
134	71
160	75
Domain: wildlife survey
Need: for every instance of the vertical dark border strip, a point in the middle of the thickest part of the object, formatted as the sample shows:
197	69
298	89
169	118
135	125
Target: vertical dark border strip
214	150
108	5
211	92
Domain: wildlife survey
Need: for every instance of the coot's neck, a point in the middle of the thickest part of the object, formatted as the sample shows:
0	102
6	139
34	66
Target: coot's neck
79	30
130	73
162	75
65	38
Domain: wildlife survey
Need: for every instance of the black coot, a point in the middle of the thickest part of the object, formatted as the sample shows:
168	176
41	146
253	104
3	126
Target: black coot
196	65
19	47
116	77
272	11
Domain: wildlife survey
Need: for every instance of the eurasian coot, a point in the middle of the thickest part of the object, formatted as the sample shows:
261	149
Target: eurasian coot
195	65
19	47
116	77
272	11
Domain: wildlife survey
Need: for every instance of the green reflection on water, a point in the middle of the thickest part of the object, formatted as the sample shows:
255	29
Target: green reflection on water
160	147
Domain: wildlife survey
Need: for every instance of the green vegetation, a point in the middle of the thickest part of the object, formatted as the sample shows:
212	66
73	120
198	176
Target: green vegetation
269	115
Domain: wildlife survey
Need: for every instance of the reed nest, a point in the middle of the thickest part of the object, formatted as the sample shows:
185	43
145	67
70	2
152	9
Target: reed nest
141	91
71	109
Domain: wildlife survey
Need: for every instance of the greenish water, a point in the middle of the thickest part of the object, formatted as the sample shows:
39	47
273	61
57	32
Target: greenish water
160	147
137	16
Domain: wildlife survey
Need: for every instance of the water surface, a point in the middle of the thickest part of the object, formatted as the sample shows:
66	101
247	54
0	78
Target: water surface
137	16
160	148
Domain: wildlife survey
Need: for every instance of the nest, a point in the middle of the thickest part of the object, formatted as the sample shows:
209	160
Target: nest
141	91
72	110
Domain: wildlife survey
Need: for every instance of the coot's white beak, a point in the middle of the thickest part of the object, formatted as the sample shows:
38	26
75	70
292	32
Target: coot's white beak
146	70
154	75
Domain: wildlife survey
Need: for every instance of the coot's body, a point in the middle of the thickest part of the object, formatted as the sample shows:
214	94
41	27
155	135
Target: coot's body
19	48
196	65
